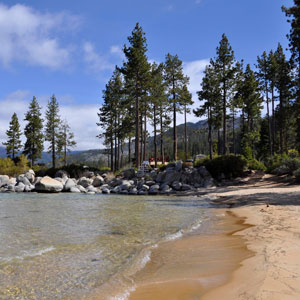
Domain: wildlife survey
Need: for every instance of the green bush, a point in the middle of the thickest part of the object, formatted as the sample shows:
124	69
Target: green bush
297	175
230	166
11	168
286	166
254	164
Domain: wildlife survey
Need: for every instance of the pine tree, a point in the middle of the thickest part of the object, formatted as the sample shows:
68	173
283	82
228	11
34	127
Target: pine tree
52	128
175	81
263	77
225	67
13	144
251	100
65	141
34	144
210	92
136	71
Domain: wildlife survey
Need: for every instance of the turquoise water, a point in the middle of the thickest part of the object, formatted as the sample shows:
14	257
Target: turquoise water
63	246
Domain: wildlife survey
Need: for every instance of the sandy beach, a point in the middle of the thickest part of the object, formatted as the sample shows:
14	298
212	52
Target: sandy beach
261	261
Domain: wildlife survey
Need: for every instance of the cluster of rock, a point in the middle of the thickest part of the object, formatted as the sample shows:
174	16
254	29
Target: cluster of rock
173	179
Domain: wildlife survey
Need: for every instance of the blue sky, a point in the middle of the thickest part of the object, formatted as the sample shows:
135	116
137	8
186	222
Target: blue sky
70	48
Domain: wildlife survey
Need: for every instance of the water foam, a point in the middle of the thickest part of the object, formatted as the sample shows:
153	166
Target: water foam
124	295
27	254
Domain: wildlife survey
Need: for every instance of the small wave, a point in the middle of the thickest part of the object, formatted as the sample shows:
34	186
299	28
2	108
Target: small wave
124	295
27	254
196	226
175	236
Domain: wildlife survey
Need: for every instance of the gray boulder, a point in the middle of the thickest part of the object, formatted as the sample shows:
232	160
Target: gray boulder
98	181
150	182
178	165
145	188
115	181
69	184
168	176
153	189
209	182
105	191
81	188
129	173
30	175
133	191
4	179
142	193
19	188
10	188
126	185
203	172
85	182
186	187
91	188
23	179
49	185
176	185
124	192
74	189
165	189
116	189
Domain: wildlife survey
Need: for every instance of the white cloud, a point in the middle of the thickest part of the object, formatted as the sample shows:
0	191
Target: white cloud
117	50
95	61
81	118
27	36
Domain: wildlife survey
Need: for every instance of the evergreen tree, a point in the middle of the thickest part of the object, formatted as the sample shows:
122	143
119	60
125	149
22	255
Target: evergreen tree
225	67
175	81
249	94
66	141
136	71
52	128
13	144
34	144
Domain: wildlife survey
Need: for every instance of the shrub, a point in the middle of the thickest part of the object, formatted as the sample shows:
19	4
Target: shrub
11	168
230	165
297	175
287	166
254	164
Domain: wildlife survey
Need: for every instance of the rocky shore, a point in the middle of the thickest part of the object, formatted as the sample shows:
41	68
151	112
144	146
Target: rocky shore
174	179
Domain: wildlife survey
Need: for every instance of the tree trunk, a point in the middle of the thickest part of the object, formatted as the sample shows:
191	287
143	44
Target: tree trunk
53	152
233	131
282	123
129	151
174	126
155	139
209	135
141	138
111	153
145	136
162	154
137	133
224	121
185	134
269	119
273	119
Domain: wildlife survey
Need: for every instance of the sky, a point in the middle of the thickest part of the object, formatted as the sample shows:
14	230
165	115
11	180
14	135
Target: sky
70	48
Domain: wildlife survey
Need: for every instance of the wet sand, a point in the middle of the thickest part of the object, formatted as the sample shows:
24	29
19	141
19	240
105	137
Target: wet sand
189	267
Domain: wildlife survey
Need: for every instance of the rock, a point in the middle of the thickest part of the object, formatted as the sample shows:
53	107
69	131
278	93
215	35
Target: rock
124	192
116	189
37	180
69	184
153	189
12	180
4	179
209	182
74	189
171	166
59	179
145	188
126	185
115	181
61	174
105	191
49	185
176	185
91	193
168	177
89	174
10	188
19	188
104	186
165	189
23	179
186	187
28	188
85	182
142	193
133	191
91	188
150	182
129	173
98	181
178	165
81	188
30	176
104	175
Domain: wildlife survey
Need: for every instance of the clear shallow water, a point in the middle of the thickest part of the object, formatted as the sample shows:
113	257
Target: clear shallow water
63	246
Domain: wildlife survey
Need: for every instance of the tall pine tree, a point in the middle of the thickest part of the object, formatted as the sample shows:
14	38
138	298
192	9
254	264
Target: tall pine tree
33	131
13	143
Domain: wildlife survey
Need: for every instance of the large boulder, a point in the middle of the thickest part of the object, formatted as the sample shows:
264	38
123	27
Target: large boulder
105	191
85	182
20	187
168	176
4	179
153	189
176	185
30	175
98	181
49	185
74	189
129	173
69	184
126	185
23	179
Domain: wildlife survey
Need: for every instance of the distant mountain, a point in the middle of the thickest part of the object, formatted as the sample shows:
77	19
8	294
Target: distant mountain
96	155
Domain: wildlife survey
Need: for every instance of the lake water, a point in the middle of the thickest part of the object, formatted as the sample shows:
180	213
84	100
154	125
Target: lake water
64	246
